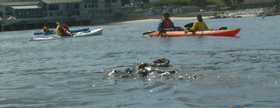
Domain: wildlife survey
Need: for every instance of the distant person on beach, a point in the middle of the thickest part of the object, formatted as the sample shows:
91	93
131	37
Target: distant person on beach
60	31
198	25
165	23
46	28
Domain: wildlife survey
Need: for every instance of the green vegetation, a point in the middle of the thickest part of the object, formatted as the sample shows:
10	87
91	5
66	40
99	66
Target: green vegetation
230	3
201	3
135	15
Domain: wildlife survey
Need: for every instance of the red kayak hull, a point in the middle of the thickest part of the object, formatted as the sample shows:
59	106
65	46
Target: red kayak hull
227	33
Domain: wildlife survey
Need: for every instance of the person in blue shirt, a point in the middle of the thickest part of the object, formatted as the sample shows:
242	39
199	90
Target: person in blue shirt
165	23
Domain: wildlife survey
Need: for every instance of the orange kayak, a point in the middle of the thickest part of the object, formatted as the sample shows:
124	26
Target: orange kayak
227	33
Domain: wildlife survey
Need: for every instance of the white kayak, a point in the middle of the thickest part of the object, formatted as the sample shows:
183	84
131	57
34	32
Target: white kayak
78	34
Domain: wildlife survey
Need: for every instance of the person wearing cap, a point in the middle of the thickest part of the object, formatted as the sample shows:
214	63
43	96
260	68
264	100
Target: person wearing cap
199	24
60	31
165	23
46	28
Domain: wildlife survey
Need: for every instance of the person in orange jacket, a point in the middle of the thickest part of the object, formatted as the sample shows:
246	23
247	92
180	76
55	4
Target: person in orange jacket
165	23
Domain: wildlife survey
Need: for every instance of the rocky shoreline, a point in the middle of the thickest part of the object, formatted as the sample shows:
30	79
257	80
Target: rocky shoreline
206	15
159	68
253	12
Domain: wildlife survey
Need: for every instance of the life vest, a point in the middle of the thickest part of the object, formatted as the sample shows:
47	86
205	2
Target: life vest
46	29
199	26
167	23
66	26
61	32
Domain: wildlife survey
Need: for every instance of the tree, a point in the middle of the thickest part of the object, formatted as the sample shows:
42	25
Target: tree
239	1
201	3
145	1
125	2
227	3
230	3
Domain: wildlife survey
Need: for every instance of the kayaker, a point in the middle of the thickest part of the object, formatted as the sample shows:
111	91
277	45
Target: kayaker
60	31
198	25
65	26
46	28
165	23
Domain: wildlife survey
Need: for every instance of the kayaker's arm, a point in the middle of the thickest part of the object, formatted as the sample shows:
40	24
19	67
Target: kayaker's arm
68	32
194	27
173	26
160	25
208	28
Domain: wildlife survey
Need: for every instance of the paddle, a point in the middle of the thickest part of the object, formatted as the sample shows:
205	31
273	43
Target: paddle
169	29
148	32
162	32
223	28
189	25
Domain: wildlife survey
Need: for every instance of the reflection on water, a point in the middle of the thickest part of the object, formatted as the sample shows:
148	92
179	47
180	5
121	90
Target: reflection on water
215	72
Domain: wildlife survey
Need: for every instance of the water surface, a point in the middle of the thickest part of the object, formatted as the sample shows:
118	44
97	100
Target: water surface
73	72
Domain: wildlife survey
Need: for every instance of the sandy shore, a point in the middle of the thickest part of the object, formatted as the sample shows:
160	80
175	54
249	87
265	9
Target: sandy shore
247	15
172	18
157	20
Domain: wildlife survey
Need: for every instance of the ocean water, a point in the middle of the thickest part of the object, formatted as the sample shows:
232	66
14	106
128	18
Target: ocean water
212	72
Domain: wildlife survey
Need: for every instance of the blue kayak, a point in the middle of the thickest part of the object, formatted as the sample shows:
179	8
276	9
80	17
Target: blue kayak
72	31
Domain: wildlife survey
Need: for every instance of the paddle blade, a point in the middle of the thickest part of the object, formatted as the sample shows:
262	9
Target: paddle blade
189	25
148	32
223	28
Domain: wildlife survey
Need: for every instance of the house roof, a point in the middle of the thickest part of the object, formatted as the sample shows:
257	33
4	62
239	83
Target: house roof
18	3
257	1
61	1
26	7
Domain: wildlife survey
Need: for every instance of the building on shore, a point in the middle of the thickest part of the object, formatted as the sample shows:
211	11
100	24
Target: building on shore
17	0
32	15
